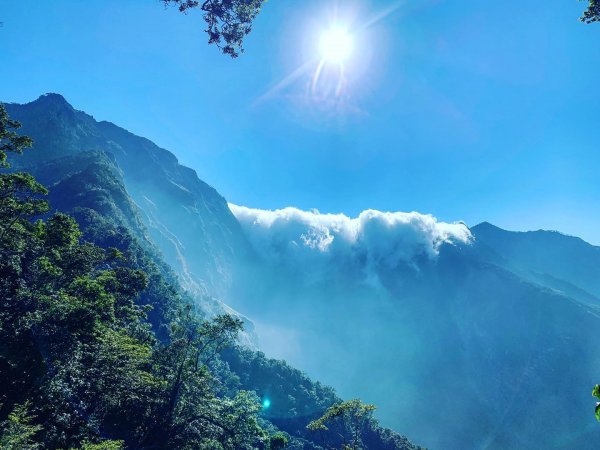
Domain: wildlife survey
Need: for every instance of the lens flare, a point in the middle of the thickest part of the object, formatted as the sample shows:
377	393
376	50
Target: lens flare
266	403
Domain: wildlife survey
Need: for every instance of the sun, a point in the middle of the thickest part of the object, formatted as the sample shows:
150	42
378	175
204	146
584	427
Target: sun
336	45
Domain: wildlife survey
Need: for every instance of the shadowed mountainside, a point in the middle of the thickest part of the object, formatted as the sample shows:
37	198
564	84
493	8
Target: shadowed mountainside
186	218
482	343
87	180
564	263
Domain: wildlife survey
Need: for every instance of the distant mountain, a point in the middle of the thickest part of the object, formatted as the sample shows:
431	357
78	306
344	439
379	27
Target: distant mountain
465	338
565	263
485	335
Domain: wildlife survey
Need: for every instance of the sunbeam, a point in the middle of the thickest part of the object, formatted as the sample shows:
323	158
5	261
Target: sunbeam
337	48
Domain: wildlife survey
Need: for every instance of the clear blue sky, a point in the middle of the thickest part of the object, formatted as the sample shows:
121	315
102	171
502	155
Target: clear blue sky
470	110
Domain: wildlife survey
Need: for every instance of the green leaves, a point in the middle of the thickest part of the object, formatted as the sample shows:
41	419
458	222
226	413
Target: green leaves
18	431
62	232
68	320
10	141
103	445
596	393
592	14
349	419
278	441
228	21
20	201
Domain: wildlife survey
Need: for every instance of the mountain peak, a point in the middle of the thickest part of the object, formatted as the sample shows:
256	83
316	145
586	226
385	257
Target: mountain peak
52	98
486	226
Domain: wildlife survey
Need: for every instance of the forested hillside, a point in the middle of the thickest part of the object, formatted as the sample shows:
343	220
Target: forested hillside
382	306
188	220
100	348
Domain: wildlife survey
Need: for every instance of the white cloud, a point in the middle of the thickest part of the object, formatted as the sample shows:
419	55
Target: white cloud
374	238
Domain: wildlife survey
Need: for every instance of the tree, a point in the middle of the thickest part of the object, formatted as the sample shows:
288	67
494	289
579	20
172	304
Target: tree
18	432
347	419
596	393
74	347
278	441
592	14
228	21
10	141
20	194
191	415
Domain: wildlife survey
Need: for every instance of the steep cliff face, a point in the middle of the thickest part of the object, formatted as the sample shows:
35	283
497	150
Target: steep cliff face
187	219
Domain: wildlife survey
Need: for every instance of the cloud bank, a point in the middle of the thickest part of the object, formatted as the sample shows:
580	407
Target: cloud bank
374	238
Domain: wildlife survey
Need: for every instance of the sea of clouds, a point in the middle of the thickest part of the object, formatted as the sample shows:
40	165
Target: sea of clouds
375	238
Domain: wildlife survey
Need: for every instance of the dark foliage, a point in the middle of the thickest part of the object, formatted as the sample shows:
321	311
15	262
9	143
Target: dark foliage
296	401
592	13
78	361
227	21
100	348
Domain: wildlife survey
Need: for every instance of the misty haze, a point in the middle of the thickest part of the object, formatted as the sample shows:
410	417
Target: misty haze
250	225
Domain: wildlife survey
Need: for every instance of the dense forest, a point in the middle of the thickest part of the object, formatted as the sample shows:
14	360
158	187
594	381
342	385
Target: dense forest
100	348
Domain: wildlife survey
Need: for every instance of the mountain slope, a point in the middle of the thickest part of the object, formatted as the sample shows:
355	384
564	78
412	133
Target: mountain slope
476	338
91	186
433	330
565	263
187	219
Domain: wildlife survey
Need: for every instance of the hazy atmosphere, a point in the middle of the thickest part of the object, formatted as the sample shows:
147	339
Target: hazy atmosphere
316	225
465	110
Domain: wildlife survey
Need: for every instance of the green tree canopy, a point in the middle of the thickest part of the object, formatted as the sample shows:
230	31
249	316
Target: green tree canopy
227	21
10	141
18	432
347	419
80	367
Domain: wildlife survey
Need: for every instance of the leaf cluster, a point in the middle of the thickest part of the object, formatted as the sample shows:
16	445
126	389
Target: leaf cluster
596	393
348	419
228	22
592	13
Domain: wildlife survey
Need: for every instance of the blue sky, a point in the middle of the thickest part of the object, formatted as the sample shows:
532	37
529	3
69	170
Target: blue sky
469	110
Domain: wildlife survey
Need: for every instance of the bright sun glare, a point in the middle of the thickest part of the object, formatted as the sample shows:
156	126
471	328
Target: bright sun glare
336	45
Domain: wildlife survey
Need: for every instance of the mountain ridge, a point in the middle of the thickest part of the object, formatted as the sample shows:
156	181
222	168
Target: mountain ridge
90	186
496	325
153	176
